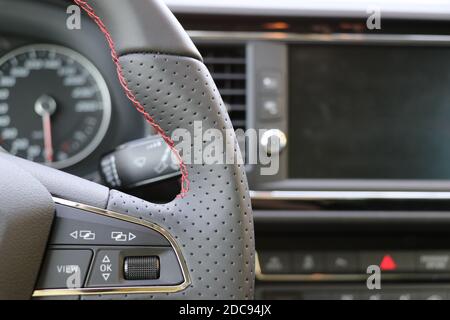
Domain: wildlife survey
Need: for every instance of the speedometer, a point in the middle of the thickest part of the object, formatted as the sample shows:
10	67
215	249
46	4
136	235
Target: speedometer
55	106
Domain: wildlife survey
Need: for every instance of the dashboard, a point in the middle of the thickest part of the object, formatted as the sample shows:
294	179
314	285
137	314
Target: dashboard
72	105
72	93
363	176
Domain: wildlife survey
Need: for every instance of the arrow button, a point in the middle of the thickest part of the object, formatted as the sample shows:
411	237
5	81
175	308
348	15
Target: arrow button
74	234
106	269
140	162
73	226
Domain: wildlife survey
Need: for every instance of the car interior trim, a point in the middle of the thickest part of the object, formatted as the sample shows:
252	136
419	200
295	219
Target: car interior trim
433	10
349	195
428	39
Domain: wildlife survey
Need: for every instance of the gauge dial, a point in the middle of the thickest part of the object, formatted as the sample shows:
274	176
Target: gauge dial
55	106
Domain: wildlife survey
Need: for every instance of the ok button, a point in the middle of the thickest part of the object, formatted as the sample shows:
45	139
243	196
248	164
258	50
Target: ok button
106	268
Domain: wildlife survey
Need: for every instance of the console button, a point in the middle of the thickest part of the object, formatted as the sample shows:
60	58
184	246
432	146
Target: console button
394	261
273	141
270	108
373	296
351	295
106	269
389	295
433	261
275	262
64	269
77	227
309	262
342	262
433	295
401	295
270	81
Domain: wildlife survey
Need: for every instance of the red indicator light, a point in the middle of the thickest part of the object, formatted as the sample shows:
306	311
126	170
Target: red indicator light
388	264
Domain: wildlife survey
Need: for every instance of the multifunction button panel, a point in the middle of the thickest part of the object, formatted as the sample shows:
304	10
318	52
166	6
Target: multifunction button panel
89	250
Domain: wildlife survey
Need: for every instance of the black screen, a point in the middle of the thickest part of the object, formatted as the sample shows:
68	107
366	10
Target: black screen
369	112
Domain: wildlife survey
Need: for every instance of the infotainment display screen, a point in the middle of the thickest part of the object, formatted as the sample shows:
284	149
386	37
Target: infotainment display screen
369	112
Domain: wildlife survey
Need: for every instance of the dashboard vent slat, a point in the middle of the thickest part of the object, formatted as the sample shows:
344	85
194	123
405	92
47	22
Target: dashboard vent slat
227	65
229	76
216	60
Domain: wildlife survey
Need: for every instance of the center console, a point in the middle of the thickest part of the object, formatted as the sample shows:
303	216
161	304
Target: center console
364	173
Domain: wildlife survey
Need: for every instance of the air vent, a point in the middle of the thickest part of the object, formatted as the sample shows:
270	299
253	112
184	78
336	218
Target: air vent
226	63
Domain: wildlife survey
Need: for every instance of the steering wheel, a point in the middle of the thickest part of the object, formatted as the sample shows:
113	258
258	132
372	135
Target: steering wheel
207	229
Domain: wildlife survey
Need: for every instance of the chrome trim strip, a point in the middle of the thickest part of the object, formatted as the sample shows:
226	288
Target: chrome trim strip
317	37
423	10
122	290
349	195
322	277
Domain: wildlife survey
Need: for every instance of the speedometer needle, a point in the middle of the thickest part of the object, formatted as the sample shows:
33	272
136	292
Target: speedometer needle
45	106
48	144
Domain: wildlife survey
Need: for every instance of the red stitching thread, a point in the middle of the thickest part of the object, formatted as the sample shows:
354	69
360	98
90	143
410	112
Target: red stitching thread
184	172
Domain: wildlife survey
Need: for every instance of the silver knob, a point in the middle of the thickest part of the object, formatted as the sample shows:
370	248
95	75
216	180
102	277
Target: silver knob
273	141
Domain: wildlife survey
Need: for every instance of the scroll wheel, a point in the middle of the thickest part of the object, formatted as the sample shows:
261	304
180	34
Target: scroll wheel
141	268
